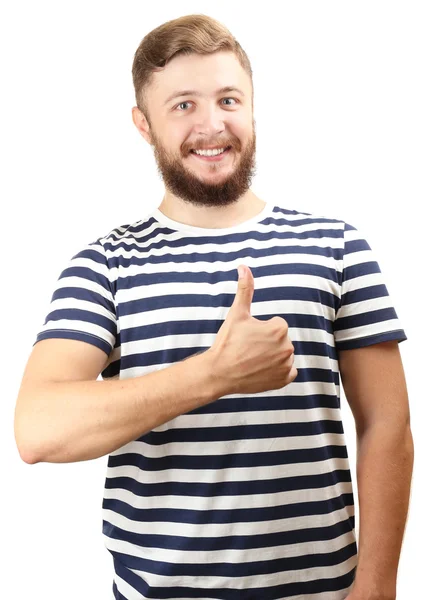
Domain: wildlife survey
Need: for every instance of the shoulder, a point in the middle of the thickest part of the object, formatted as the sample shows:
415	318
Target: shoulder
123	235
312	225
300	217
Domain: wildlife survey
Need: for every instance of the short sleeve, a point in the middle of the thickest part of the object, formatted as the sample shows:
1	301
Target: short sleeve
82	305
365	313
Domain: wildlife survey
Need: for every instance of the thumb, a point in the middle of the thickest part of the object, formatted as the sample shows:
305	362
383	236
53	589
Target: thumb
245	292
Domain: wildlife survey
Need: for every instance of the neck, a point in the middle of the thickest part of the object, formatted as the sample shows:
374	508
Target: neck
211	217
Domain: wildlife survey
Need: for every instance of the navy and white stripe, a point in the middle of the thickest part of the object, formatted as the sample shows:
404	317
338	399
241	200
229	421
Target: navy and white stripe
249	497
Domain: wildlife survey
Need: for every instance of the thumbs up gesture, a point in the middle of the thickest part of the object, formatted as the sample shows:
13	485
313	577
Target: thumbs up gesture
249	355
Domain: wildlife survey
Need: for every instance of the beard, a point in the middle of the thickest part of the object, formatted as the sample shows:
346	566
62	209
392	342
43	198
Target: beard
197	189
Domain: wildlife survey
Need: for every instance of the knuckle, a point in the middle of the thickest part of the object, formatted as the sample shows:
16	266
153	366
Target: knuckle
289	352
280	325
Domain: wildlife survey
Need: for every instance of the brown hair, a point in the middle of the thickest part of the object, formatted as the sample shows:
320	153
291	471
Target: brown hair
190	34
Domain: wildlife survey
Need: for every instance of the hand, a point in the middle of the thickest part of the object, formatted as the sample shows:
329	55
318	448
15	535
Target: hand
249	355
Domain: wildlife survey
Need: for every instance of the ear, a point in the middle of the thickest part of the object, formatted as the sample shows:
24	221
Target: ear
141	124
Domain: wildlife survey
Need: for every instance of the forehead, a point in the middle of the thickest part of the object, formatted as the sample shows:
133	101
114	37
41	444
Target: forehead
202	73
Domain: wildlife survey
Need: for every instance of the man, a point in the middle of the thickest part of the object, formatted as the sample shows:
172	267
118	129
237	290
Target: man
228	475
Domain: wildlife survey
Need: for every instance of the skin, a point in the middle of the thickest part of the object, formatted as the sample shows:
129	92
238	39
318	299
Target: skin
218	195
374	383
198	192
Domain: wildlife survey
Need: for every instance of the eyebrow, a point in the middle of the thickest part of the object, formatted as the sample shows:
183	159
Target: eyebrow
222	90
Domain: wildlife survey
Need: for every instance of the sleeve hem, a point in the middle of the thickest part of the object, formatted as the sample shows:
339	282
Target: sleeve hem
377	338
75	335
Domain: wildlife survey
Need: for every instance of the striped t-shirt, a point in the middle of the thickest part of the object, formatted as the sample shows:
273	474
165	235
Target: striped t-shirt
249	497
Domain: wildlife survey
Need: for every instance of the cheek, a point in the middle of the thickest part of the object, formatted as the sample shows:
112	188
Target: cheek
172	140
241	129
177	138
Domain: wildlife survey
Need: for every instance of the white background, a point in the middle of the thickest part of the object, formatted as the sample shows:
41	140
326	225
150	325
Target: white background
341	118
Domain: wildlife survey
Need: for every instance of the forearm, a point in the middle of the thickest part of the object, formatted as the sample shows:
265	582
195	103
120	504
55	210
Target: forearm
384	471
82	420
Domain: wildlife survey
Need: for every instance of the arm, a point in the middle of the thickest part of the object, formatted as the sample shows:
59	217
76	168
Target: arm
63	415
375	387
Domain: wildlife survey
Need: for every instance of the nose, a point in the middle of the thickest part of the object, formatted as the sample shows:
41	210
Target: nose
209	121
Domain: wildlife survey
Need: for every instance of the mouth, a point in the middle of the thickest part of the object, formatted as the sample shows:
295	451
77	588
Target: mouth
214	158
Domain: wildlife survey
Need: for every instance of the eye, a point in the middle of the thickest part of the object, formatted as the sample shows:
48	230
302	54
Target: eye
187	102
181	104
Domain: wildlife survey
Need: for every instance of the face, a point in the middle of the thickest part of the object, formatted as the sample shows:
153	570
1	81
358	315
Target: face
203	118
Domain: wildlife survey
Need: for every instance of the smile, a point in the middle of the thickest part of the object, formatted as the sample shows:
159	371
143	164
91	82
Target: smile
213	158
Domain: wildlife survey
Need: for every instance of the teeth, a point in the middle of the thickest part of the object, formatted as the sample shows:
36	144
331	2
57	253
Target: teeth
210	152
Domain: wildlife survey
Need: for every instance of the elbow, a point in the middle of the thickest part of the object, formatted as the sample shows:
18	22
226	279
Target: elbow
26	449
29	430
28	458
26	454
396	432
